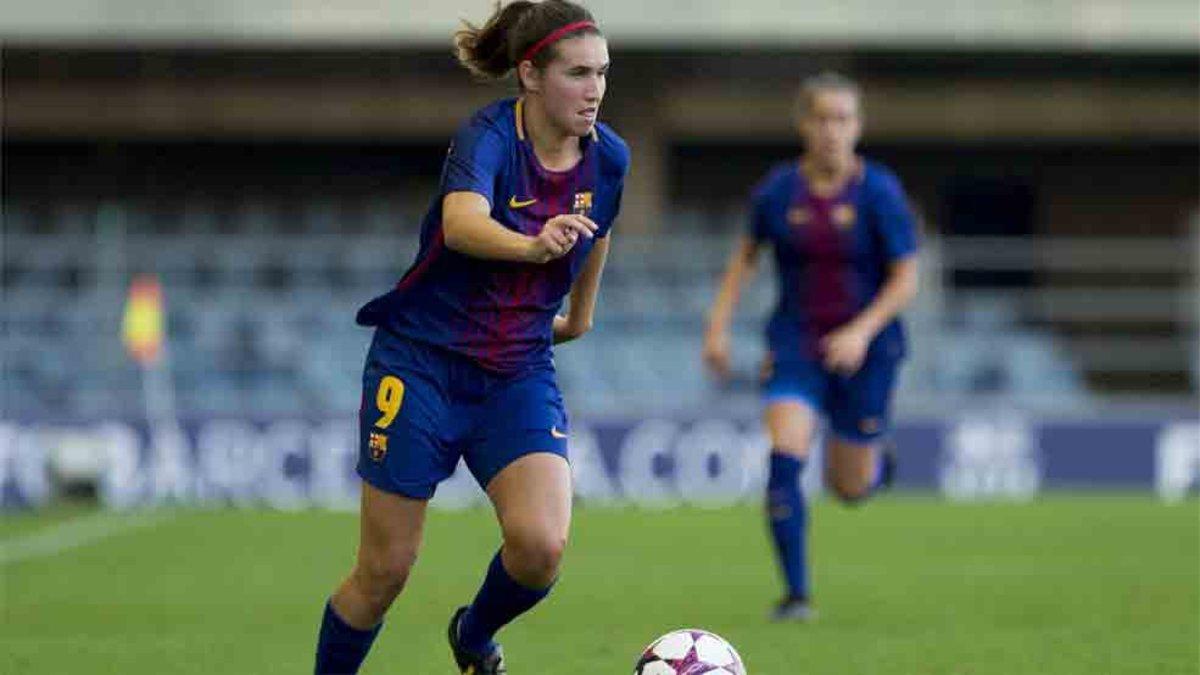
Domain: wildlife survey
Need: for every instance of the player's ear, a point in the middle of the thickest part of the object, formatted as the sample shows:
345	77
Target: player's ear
530	76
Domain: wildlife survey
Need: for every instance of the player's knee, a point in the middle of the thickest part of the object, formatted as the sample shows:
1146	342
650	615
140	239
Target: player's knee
382	576
545	555
539	555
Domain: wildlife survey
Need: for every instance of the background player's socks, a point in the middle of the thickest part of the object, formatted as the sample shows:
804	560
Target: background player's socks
341	648
500	600
789	520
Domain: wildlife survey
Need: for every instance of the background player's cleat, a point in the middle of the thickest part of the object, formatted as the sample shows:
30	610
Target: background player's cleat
473	664
794	610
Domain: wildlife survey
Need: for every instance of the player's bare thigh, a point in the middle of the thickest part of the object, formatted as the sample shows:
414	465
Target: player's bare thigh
532	498
390	524
791	425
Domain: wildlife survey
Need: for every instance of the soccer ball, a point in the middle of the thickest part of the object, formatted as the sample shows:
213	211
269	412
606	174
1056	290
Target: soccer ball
690	652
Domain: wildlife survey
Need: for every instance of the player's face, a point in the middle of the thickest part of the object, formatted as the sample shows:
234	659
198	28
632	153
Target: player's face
831	126
572	85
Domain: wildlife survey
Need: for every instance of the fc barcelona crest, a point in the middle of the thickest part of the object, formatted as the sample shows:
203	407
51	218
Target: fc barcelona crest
377	443
843	216
583	204
797	216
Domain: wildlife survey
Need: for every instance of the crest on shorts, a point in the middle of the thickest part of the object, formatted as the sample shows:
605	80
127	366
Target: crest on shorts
377	443
870	425
583	204
843	216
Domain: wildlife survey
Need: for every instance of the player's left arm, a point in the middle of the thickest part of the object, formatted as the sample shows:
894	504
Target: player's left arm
582	304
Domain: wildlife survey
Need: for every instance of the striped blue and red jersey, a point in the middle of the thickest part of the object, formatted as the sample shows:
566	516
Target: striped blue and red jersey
832	253
501	313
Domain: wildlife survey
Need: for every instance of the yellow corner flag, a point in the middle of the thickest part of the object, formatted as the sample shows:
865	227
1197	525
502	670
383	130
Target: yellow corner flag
142	327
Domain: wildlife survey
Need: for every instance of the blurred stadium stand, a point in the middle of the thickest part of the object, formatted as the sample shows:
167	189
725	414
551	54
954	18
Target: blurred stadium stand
261	319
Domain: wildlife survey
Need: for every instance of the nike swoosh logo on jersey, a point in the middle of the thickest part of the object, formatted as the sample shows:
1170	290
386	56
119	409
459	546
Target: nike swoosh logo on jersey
514	203
556	433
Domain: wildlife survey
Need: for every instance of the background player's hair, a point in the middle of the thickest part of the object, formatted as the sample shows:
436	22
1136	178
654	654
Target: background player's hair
826	80
492	50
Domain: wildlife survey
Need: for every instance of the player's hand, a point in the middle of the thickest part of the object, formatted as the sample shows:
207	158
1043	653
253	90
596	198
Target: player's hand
845	349
558	236
716	353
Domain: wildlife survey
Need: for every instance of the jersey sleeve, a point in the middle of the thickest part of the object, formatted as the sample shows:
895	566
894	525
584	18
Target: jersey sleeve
475	158
615	159
606	226
897	220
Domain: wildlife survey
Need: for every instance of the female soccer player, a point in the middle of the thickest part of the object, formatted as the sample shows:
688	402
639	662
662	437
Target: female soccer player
844	240
460	364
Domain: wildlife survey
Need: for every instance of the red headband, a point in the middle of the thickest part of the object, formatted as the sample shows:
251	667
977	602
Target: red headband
554	37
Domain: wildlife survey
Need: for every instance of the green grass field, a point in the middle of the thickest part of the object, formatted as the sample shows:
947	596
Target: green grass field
1069	584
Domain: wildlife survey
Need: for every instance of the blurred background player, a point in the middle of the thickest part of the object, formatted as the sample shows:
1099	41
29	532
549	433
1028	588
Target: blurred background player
460	364
844	240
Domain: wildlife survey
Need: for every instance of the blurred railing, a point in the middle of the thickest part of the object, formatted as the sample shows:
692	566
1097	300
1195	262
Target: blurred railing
262	321
1121	304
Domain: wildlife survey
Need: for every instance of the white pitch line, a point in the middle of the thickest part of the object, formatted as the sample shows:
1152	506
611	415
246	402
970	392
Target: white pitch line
73	534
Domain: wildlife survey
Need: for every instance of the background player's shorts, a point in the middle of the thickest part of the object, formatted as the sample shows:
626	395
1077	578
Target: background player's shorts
858	407
424	407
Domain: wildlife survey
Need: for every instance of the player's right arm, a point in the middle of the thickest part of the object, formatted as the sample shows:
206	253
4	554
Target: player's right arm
468	228
742	265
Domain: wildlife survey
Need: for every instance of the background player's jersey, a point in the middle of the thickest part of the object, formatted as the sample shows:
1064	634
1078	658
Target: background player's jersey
832	254
497	312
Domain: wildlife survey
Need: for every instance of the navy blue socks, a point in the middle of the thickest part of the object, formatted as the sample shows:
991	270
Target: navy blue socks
788	515
341	648
500	600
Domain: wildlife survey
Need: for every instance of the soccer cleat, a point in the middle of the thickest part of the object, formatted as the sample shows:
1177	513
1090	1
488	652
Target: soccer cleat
473	664
793	610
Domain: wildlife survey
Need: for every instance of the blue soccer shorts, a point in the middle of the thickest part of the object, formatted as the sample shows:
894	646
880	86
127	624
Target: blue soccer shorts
424	407
858	407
